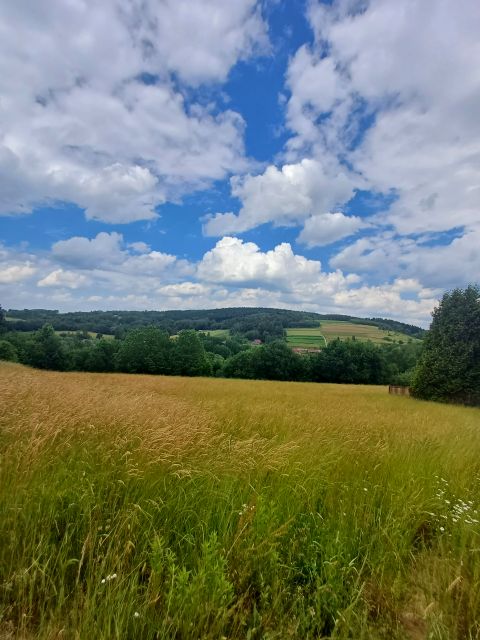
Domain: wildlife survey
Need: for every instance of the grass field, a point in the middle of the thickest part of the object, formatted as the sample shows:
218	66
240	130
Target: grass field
151	507
331	329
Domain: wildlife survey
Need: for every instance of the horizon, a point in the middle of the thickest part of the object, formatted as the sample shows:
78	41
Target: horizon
309	156
346	315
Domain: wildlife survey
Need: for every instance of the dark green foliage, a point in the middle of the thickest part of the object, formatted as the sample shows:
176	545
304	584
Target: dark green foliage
147	350
190	358
240	366
8	351
3	322
47	350
350	361
449	368
276	361
273	361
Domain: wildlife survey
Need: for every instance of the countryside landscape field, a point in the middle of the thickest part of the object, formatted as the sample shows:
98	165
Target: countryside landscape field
164	507
318	337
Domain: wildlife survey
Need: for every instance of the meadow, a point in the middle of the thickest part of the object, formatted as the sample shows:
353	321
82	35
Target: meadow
318	337
163	507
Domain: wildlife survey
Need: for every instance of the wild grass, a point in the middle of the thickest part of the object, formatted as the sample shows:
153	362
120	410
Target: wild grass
151	507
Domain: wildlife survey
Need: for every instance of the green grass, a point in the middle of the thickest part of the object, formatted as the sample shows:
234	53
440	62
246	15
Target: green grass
151	507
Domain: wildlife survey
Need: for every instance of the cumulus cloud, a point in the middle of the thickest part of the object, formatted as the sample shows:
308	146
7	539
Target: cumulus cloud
16	273
285	196
455	263
104	272
233	261
327	228
61	278
395	87
90	111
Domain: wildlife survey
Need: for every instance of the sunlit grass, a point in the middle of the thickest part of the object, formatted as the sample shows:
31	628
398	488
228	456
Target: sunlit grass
161	507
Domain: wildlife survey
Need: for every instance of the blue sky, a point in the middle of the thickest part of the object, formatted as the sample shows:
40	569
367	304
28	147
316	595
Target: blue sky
313	155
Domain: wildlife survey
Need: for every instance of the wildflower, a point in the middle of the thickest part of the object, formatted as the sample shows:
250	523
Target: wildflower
136	614
442	529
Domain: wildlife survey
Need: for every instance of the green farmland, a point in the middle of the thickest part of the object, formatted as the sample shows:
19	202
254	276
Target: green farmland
306	338
318	337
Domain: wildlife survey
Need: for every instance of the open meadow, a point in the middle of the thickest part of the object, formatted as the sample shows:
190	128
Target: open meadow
161	507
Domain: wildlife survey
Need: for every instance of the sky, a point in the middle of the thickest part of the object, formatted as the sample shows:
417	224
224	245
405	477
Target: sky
186	154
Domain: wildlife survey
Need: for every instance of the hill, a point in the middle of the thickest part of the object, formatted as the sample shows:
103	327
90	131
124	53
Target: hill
252	322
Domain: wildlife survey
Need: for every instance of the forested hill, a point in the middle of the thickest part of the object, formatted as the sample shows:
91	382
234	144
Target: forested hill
237	319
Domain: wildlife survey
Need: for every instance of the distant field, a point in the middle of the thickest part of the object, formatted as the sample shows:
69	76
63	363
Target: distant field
306	338
331	329
174	508
218	333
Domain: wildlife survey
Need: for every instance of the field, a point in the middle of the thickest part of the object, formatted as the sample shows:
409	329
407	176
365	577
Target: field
331	329
306	338
153	507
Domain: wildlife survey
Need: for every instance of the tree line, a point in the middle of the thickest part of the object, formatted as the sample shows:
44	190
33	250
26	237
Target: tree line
445	367
151	350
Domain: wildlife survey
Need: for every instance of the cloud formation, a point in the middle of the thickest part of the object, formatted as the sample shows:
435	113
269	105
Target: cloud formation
104	272
284	196
91	112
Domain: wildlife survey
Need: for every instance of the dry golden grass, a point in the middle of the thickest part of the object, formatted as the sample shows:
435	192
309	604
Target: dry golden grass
299	510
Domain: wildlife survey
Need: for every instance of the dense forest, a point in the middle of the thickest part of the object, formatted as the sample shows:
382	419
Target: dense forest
251	322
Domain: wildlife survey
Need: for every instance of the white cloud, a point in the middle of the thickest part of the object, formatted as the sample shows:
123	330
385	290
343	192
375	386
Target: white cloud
61	278
232	273
233	261
285	196
90	113
16	273
327	228
456	263
410	70
386	301
103	250
184	289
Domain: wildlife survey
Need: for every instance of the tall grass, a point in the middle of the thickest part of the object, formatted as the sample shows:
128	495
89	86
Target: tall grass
150	507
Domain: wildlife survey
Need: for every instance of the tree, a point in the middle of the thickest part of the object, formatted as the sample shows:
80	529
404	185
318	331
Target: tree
47	350
276	361
449	367
7	351
349	362
146	350
3	322
190	356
